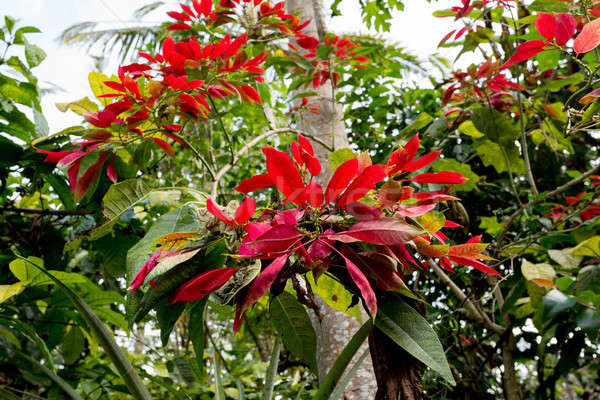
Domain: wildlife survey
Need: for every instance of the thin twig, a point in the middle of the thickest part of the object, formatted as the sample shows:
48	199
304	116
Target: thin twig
539	200
479	315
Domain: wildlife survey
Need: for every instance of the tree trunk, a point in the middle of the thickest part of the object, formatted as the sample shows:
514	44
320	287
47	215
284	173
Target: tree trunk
335	329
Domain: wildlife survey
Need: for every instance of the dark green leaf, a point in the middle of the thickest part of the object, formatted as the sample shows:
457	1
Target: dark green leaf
412	332
295	328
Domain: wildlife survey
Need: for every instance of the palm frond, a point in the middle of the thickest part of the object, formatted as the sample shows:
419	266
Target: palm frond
123	41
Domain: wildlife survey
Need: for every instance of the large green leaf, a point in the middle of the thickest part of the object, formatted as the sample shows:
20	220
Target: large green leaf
334	294
405	326
183	219
588	279
589	247
167	315
295	328
119	198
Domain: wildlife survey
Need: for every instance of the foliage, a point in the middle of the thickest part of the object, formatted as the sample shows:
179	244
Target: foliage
123	210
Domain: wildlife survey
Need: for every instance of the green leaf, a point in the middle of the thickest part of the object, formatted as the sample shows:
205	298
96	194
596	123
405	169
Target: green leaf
34	55
196	330
73	345
8	291
98	87
167	315
19	38
491	225
119	198
556	302
588	279
565	258
183	219
468	128
496	127
213	257
450	164
340	156
405	326
334	294
10	23
589	247
23	270
41	125
419	123
25	330
80	107
491	154
295	328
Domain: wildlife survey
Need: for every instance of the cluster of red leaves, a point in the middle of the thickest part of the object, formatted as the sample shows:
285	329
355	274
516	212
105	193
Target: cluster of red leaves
589	211
483	84
342	51
153	99
322	227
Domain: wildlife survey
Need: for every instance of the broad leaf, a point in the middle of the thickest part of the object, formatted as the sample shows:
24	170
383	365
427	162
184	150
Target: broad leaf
412	332
295	328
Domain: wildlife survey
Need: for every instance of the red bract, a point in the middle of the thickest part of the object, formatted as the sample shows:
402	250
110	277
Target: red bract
524	52
202	285
556	26
144	271
284	175
242	215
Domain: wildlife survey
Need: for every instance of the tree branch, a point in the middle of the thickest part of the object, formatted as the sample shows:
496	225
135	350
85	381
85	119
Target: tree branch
47	211
539	200
480	316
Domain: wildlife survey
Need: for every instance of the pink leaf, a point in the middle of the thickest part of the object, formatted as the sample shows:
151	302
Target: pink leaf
363	285
388	231
589	38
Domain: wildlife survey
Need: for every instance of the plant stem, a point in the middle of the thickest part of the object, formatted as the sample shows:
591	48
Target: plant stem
199	157
267	393
227	136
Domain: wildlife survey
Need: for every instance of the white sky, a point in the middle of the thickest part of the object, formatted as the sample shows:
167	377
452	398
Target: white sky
67	67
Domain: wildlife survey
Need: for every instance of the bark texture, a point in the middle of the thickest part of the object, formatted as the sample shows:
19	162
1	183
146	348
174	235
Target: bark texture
334	329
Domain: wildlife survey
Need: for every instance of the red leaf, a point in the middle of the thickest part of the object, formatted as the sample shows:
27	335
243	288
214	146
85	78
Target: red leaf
259	288
363	184
524	52
565	28
414	210
388	231
53	156
167	148
443	177
179	16
90	175
589	38
403	156
421	162
362	211
546	25
363	285
144	271
469	250
275	240
250	94
111	172
307	42
314	194
475	264
245	211
257	182
285	175
305	145
215	210
235	46
202	285
341	179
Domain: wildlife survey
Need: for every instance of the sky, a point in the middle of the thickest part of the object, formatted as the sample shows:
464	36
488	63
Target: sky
66	68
